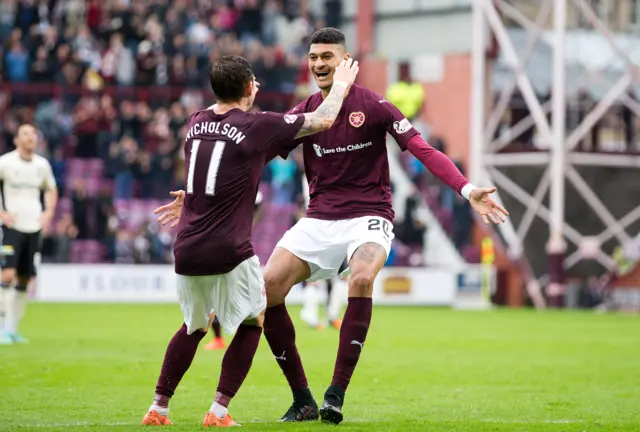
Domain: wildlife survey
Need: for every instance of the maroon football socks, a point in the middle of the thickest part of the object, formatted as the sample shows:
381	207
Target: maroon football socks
281	336
237	362
177	360
353	333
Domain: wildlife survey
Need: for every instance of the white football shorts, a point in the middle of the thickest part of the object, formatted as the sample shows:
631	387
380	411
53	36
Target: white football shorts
234	297
324	245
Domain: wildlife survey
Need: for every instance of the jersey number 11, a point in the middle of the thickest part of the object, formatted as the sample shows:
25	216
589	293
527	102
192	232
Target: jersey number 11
212	171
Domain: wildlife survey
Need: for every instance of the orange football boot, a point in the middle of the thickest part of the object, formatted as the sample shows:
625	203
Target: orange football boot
336	324
211	420
215	344
153	418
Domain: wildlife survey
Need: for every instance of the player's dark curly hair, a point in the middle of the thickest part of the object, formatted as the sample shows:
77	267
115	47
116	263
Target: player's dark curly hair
328	35
230	76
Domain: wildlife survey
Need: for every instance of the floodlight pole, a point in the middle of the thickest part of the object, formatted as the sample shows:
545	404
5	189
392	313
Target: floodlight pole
556	247
478	93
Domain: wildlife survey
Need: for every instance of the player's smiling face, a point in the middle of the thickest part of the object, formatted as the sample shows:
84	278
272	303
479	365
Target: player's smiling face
323	60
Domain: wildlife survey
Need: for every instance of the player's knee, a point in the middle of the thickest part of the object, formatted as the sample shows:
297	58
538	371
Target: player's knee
276	285
361	283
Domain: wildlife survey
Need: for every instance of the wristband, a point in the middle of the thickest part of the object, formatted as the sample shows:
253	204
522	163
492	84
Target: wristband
341	83
466	190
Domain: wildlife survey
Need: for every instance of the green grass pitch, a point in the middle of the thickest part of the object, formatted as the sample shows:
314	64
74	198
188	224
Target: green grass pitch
94	367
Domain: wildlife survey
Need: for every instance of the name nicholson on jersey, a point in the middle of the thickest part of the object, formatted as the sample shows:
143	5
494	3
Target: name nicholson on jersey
216	128
351	147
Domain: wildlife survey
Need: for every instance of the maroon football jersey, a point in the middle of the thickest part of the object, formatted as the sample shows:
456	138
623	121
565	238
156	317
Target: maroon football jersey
347	166
224	158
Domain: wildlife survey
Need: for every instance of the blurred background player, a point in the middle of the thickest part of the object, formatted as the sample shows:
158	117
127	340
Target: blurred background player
336	296
25	176
350	215
217	270
217	343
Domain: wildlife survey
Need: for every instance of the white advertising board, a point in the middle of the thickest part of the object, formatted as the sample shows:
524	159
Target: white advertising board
156	284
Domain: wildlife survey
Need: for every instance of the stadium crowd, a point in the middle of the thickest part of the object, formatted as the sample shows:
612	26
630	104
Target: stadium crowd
115	80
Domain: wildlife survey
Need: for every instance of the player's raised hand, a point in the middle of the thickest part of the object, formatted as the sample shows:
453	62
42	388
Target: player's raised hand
346	72
170	213
486	207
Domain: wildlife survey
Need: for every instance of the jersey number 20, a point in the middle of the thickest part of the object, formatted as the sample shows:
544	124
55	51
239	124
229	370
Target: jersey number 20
212	171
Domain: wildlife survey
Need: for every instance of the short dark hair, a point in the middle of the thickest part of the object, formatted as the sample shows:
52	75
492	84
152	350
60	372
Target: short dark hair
230	76
328	35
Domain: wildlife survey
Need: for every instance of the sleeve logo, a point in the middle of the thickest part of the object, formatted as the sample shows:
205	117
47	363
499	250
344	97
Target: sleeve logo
356	119
402	126
290	119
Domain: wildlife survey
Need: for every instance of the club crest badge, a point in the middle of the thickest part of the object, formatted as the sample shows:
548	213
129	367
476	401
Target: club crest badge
356	119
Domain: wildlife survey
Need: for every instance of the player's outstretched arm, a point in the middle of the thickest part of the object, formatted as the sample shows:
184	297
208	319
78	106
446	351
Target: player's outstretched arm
324	117
443	168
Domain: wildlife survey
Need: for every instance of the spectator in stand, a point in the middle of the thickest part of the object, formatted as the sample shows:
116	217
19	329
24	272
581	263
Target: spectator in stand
107	125
282	174
81	201
87	126
411	230
333	13
144	176
41	68
141	247
163	165
129	121
104	211
59	168
123	248
462	219
7	18
249	26
17	63
65	233
125	157
118	64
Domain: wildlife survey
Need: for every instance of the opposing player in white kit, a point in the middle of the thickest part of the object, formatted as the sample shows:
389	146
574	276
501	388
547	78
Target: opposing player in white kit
24	176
